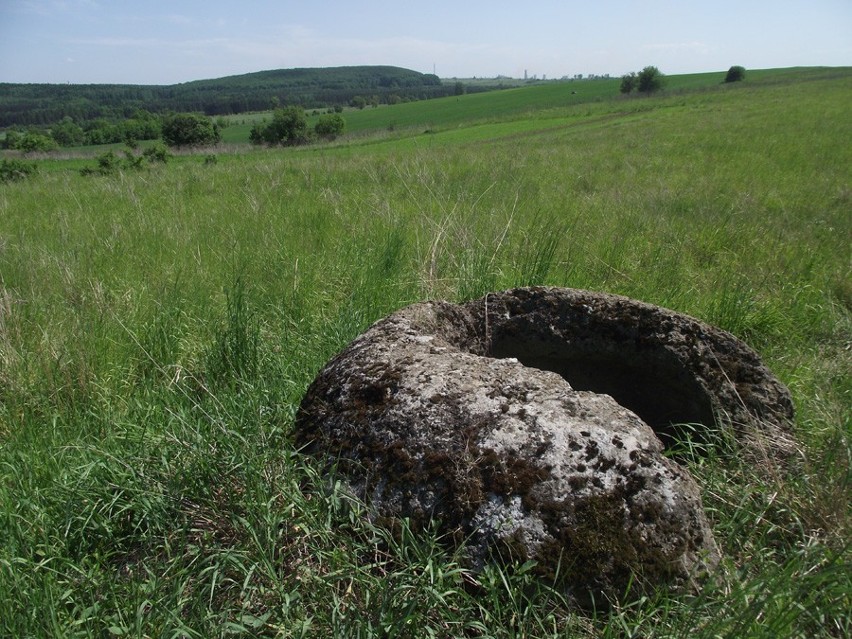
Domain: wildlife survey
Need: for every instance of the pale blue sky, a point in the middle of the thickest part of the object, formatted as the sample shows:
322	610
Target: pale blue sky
165	42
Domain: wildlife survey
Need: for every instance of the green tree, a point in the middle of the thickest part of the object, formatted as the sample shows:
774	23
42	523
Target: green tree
628	82
330	126
12	139
142	126
33	141
101	131
359	102
649	80
735	74
67	132
289	127
256	133
190	129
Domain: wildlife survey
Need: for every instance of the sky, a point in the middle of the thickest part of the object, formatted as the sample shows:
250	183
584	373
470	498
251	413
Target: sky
173	41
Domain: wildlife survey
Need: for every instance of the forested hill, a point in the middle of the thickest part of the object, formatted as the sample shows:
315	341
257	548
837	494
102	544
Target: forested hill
24	104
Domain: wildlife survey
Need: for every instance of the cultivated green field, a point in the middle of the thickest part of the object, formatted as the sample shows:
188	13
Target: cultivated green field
158	329
443	113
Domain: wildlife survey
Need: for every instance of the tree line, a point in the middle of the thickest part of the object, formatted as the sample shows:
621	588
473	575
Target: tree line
289	127
141	125
47	104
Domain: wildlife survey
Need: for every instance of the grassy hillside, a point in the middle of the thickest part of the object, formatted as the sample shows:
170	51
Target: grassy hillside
520	102
158	329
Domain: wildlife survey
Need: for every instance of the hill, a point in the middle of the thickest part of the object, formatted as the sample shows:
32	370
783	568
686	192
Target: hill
536	101
28	104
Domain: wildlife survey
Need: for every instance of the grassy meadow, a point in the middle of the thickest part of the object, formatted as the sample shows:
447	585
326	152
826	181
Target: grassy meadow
159	327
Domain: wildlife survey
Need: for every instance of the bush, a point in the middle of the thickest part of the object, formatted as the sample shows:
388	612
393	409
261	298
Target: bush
11	140
67	132
190	129
628	82
142	126
16	170
157	153
32	141
330	126
288	127
108	163
133	161
256	134
735	74
649	80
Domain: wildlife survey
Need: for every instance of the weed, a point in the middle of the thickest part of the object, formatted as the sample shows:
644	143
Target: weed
234	354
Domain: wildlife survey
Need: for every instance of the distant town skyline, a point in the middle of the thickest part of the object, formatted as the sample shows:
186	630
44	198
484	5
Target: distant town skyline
159	42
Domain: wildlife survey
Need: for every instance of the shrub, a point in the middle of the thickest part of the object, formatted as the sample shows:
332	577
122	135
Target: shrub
16	170
67	132
142	126
108	163
288	127
628	82
330	126
11	140
32	141
735	74
649	80
132	161
190	129
157	153
256	133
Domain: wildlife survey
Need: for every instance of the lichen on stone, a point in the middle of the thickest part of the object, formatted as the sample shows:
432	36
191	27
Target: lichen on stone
531	424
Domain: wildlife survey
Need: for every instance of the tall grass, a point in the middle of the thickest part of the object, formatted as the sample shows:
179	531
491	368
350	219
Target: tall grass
158	328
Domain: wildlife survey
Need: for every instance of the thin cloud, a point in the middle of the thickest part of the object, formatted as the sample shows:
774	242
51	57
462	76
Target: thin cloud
673	47
119	42
307	43
183	20
49	8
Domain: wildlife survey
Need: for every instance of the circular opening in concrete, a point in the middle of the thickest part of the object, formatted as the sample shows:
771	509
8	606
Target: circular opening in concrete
651	383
